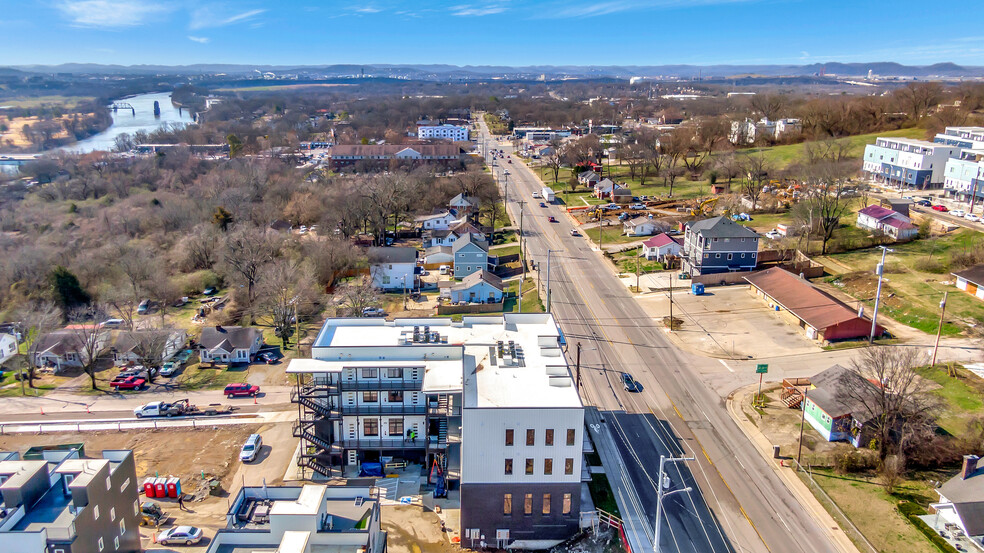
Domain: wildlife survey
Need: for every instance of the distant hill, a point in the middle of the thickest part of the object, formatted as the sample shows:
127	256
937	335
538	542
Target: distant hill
443	71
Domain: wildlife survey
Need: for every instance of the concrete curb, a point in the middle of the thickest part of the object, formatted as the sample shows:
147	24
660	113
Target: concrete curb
796	487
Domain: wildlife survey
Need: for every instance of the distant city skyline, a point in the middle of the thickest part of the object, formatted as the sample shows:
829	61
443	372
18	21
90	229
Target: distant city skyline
494	32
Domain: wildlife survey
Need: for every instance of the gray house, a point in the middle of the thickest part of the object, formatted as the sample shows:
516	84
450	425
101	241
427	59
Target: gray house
229	344
470	255
478	287
60	502
718	245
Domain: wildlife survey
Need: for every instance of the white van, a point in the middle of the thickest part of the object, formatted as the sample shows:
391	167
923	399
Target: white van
251	448
444	269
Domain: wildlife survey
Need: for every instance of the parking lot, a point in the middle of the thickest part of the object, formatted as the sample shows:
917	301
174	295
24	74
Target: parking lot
728	322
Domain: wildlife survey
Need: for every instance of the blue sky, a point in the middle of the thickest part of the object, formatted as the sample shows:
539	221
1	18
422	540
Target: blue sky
489	32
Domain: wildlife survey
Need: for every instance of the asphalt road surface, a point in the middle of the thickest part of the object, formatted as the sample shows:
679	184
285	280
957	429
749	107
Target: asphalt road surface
748	501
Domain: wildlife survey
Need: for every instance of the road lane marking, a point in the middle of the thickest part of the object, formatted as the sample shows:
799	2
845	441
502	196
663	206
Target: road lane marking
726	365
702	450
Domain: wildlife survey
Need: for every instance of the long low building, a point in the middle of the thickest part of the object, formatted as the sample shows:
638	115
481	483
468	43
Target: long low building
822	316
382	155
971	281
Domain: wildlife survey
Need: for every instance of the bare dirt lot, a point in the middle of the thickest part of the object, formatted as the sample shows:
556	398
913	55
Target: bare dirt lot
411	529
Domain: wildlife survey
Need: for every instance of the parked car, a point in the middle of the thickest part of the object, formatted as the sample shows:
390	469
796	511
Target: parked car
372	312
940	208
241	389
169	368
111	323
210	291
637	206
552	219
958	213
773	235
629	384
267	357
972	217
180	535
444	269
251	448
143	307
924	203
129	383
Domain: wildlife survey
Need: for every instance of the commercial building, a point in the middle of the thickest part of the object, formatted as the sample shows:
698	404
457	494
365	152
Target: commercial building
378	156
490	400
63	502
454	133
907	162
718	245
314	518
820	315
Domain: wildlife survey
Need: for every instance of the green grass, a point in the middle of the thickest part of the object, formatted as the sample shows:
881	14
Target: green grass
785	155
504	250
59	100
612	235
531	298
628	260
195	377
963	396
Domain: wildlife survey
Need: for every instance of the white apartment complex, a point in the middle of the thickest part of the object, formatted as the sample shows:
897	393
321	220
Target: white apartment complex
907	162
454	133
747	131
490	400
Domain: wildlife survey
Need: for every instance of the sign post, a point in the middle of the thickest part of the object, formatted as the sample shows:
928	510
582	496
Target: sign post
761	369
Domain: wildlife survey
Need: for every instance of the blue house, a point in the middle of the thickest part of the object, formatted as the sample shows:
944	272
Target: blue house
470	255
478	287
719	245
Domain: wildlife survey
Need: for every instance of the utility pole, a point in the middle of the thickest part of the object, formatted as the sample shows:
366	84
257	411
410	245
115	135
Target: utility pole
939	329
297	330
548	280
638	290
577	376
522	257
799	452
880	271
671	302
663	483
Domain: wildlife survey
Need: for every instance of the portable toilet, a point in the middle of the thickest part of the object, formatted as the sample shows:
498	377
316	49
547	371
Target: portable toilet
148	486
697	288
173	487
160	487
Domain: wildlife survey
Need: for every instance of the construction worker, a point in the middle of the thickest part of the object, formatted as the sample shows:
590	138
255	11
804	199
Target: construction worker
413	436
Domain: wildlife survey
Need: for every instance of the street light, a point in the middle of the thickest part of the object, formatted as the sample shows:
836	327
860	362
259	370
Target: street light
880	271
663	483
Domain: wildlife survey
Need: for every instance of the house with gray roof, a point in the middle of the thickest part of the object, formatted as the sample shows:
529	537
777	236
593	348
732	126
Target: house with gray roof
961	503
833	410
470	255
393	268
229	344
718	245
478	287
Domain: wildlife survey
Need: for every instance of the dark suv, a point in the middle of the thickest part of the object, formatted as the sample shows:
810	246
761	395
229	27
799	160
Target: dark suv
629	383
241	389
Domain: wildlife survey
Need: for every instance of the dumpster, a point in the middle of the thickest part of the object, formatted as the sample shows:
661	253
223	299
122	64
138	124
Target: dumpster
697	288
160	487
172	488
148	486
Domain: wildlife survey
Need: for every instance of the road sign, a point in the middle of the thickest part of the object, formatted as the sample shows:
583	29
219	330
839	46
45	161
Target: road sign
761	369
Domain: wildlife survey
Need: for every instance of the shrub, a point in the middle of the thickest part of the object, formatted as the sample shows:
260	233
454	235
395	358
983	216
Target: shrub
193	283
911	512
931	265
853	462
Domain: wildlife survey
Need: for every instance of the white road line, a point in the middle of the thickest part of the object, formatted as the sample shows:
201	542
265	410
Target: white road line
726	365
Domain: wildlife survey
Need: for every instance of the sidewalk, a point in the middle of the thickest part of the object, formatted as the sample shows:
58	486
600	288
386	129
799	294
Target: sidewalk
787	474
59	403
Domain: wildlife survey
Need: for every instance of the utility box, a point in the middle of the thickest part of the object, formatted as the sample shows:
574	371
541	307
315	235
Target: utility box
697	288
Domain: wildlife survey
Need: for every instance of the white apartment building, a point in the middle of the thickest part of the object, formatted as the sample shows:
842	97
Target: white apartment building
747	131
443	132
963	177
971	138
490	400
907	162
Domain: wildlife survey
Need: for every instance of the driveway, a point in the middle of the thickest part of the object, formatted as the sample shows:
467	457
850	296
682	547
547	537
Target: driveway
727	322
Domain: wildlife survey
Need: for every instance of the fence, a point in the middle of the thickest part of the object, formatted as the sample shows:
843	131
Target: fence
852	531
120	426
470	308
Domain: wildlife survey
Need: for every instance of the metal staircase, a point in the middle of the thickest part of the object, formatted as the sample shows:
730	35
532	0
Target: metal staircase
442	432
314	464
305	430
314	406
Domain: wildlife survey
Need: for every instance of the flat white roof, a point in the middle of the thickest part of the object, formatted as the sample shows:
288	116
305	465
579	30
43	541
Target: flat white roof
307	503
466	358
914	142
311	366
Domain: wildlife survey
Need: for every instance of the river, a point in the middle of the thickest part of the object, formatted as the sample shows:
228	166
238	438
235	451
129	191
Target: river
125	121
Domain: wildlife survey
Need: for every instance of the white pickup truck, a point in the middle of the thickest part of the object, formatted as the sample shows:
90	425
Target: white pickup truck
178	408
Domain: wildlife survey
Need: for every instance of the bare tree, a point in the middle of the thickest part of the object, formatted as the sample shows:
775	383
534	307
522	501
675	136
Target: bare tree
36	319
769	105
151	347
246	251
553	160
201	247
330	258
894	401
825	200
356	297
755	169
286	289
917	98
90	338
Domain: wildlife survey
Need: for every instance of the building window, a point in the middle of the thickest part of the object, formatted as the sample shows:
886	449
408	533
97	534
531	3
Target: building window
370	373
529	466
570	436
125	485
136	506
717	256
508	469
396	427
112	513
530	437
394	373
122	526
548	437
567	504
370	427
386	278
109	483
548	466
395	397
370	397
507	504
528	504
100	544
509	436
731	256
95	513
546	504
116	543
569	466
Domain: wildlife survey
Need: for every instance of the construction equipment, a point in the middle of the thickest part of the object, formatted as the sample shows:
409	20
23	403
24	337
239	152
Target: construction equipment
701	208
151	514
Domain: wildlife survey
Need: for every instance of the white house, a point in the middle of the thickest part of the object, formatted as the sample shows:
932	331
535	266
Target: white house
962	502
8	347
127	347
660	246
435	221
745	132
229	344
67	348
639	226
393	268
463	204
443	132
891	223
971	281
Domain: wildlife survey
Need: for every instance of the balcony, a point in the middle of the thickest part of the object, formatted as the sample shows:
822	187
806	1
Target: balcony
374	442
383	409
380	385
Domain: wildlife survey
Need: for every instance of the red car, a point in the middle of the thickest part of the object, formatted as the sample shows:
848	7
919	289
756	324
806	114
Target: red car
552	219
129	383
241	389
940	208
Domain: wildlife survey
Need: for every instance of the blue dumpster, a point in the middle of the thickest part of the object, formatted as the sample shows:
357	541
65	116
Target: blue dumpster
697	288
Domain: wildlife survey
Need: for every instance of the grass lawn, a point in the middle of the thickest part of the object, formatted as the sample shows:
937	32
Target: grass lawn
53	100
627	261
963	396
196	377
913	286
612	235
682	188
785	155
505	250
531	298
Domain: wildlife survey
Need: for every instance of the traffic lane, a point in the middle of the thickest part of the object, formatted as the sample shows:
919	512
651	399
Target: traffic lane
687	524
68	416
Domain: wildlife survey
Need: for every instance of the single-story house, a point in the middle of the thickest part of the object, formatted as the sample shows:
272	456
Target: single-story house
660	246
478	287
393	267
588	178
822	316
962	501
435	221
127	348
603	188
438	255
67	348
8	347
891	223
971	281
229	344
831	410
639	226
621	195
463	204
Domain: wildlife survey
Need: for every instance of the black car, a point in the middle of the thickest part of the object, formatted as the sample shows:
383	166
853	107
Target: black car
629	383
924	203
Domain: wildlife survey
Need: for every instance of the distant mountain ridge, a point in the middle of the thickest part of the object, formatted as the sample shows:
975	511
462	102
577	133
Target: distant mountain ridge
442	71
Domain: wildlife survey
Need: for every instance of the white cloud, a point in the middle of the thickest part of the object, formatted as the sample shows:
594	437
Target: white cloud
566	10
477	10
198	39
216	16
111	13
367	10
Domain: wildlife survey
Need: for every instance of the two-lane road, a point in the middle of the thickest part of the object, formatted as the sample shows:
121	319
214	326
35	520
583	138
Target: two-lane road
749	502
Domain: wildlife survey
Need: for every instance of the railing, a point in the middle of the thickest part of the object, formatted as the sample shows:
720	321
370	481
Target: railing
370	385
443	410
364	409
315	405
371	442
315	465
300	430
